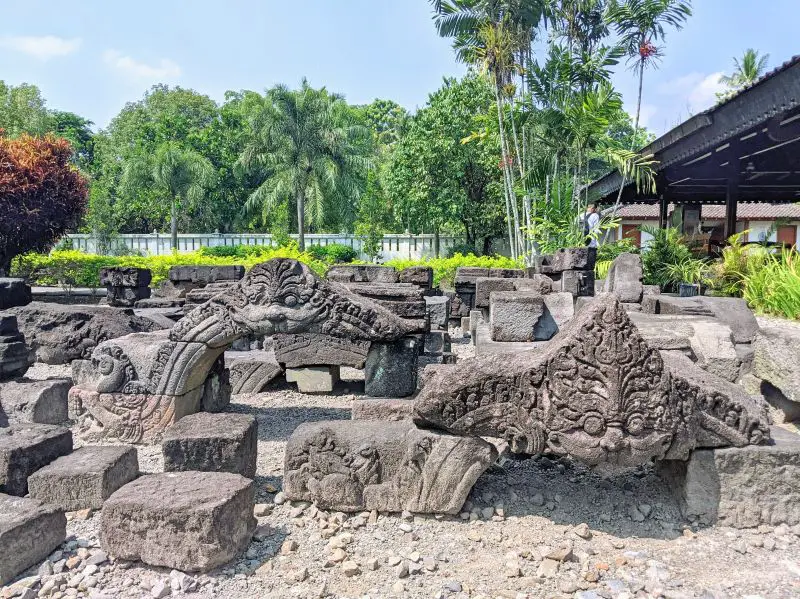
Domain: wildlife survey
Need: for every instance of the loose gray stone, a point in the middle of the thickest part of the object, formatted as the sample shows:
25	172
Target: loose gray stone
318	349
24	448
190	521
252	371
313	379
391	369
29	532
85	478
437	343
742	487
625	278
578	283
361	273
212	443
421	276
577	258
515	316
13	292
205	274
777	360
387	466
438	309
34	402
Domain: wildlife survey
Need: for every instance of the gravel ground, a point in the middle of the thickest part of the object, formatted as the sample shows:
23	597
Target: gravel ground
531	528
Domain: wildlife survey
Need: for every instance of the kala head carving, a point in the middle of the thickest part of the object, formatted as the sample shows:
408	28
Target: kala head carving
598	393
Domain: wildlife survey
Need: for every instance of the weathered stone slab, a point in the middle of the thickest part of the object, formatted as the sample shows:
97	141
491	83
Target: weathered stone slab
465	325
318	349
313	379
742	487
34	402
205	274
29	532
362	273
15	358
386	466
212	443
515	316
24	448
458	307
506	273
402	299
559	309
578	283
190	521
484	287
201	295
777	359
85	478
252	371
125	276
61	333
468	275
391	369
385	409
217	389
421	276
14	292
732	311
712	344
597	392
625	278
577	258
438	310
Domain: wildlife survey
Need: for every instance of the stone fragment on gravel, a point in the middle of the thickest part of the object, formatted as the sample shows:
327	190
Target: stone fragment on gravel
34	402
29	531
190	521
86	477
24	448
389	466
382	408
212	443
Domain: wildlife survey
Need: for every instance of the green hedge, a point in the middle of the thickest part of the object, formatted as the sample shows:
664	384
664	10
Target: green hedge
444	269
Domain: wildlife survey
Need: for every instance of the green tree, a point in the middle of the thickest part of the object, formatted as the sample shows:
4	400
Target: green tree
746	71
441	174
181	174
642	23
309	151
78	132
23	110
386	119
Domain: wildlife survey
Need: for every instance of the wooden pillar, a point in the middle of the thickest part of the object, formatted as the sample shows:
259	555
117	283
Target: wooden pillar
663	207
731	204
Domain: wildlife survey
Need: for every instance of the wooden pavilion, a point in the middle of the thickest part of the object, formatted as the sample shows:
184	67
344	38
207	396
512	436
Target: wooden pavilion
744	149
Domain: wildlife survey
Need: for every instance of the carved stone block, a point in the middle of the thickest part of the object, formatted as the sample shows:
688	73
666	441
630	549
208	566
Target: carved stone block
391	369
386	409
189	521
29	532
205	274
625	278
251	372
212	443
85	478
24	448
316	349
597	392
421	276
577	258
386	466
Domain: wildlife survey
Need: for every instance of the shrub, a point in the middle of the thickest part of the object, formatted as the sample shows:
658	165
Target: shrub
773	287
333	253
41	194
444	269
465	249
608	251
667	248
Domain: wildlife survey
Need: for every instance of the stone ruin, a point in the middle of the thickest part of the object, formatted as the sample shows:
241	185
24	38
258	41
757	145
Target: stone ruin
607	384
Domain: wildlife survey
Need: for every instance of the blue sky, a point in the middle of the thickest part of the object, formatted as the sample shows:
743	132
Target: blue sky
92	56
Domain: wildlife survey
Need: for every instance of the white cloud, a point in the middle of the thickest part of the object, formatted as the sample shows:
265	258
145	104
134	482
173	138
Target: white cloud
646	114
164	70
42	47
695	92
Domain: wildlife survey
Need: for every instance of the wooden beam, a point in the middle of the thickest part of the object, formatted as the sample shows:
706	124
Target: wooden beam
731	203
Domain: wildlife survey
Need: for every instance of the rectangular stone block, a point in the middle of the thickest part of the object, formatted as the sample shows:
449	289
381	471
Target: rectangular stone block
189	521
361	273
438	309
205	274
465	325
318	349
514	316
126	297
559	310
625	278
391	369
125	276
741	487
34	402
437	342
484	286
475	318
507	273
14	292
29	532
387	409
577	258
8	325
24	448
313	379
422	276
85	478
579	283
212	443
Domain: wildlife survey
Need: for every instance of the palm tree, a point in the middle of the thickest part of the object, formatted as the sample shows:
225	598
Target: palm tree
641	23
747	71
309	152
181	173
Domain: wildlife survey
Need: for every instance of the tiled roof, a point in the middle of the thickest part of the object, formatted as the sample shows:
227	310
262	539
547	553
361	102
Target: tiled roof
745	211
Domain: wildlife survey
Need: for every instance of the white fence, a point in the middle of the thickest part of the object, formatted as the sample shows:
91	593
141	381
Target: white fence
154	244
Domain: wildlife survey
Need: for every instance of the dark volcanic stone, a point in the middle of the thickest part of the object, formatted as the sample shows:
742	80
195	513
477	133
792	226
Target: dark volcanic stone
24	448
391	369
13	292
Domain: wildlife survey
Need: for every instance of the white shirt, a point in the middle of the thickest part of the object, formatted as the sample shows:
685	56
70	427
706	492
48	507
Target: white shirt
593	220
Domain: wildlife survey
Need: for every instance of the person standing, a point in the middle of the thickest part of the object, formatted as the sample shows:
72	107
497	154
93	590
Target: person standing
591	225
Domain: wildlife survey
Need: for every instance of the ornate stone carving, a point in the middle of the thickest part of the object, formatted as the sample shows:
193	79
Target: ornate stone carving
598	393
387	466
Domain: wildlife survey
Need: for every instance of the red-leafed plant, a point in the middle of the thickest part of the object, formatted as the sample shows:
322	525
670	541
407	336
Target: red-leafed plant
41	194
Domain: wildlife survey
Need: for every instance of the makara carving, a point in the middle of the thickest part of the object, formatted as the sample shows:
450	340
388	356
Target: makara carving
598	393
